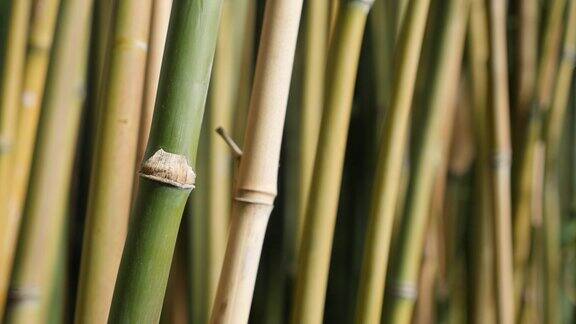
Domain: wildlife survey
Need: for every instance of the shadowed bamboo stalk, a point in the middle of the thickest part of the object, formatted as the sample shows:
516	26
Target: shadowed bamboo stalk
50	178
318	231
10	93
523	173
393	142
222	103
258	171
167	177
315	48
158	28
440	103
43	21
483	305
500	159
113	165
552	136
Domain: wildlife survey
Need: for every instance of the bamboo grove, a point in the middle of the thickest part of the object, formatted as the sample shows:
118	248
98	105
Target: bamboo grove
288	161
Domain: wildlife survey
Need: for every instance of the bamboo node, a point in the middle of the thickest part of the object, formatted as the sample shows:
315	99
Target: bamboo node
257	197
569	54
365	4
169	168
23	294
131	43
501	160
230	142
404	290
5	145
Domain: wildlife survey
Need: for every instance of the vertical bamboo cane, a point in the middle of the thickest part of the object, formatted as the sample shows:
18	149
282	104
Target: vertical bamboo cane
258	171
552	137
39	43
315	47
113	165
50	177
428	158
500	155
391	153
166	174
10	93
316	245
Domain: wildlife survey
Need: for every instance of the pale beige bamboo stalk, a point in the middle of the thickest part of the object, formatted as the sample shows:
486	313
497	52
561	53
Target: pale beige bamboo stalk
499	130
391	152
10	94
113	167
315	48
51	174
258	171
43	21
156	41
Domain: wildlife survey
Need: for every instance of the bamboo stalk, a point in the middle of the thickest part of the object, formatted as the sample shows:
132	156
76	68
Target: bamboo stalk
110	193
523	186
160	18
483	305
10	94
315	47
166	174
427	158
43	20
500	155
552	137
318	231
51	174
258	170
392	148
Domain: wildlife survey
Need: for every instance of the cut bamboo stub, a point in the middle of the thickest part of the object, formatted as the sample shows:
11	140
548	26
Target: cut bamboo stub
258	171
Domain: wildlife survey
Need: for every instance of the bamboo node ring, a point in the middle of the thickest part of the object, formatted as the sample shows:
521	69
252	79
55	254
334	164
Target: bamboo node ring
501	160
257	197
404	290
169	168
23	294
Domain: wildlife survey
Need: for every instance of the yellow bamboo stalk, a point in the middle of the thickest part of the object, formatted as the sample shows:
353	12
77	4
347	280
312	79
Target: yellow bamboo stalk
315	47
10	94
258	171
113	171
43	21
499	130
51	174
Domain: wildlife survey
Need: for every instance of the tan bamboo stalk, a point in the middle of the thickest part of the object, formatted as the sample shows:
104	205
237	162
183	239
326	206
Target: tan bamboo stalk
51	174
221	108
111	181
258	170
552	137
43	21
425	311
500	156
392	149
158	28
523	186
440	104
482	271
10	94
317	235
315	48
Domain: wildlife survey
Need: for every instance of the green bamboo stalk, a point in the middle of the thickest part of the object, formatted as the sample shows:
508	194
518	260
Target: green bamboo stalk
318	231
523	173
315	48
552	137
110	193
50	178
440	103
483	305
500	155
392	148
258	171
10	94
166	174
43	21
